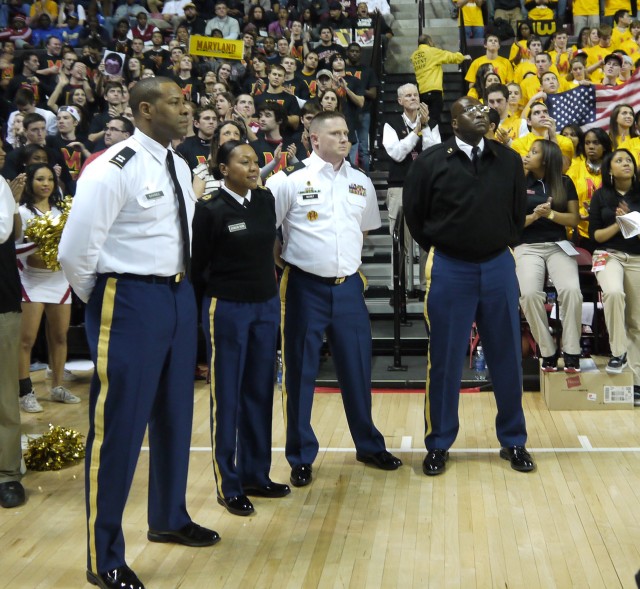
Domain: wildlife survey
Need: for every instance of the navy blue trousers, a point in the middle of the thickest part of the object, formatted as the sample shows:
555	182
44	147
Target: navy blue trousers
457	294
310	309
142	339
241	346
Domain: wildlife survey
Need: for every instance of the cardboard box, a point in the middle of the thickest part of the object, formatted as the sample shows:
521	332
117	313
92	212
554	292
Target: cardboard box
591	388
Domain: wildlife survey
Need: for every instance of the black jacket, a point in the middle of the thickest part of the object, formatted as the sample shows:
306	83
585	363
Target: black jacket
466	215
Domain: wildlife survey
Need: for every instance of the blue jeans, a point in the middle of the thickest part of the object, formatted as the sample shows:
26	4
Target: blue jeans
474	32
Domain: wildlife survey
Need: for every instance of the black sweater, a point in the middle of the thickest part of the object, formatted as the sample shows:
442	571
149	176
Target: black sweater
233	247
602	213
468	215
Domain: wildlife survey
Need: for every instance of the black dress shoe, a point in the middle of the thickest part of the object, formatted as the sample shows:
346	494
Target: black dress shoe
383	459
191	535
301	475
12	494
435	462
121	578
519	457
271	490
238	505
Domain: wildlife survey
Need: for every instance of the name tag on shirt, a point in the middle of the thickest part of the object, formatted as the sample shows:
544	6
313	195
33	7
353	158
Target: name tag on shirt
154	195
310	196
237	227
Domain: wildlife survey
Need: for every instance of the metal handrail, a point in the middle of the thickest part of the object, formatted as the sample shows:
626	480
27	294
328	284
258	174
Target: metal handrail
399	290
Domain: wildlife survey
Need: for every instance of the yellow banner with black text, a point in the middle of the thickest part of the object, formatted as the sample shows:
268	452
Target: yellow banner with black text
214	47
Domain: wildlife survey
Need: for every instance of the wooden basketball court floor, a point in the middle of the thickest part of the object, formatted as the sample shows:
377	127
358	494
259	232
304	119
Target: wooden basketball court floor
575	522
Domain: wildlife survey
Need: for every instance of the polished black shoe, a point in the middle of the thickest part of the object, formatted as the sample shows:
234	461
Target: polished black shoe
271	490
550	363
120	578
12	494
519	457
191	535
435	462
301	475
238	505
383	459
571	363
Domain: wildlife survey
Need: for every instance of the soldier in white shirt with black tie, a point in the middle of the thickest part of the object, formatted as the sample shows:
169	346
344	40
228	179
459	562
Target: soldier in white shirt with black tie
126	252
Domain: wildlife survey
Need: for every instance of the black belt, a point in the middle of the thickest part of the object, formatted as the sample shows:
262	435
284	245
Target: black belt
149	278
330	280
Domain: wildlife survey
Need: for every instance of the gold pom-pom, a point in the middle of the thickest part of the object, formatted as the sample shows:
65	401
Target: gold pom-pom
57	448
45	231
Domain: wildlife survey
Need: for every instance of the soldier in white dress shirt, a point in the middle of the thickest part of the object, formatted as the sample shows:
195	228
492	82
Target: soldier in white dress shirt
126	250
325	206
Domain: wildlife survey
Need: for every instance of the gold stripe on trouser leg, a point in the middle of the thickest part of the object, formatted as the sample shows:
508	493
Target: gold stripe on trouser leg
428	267
212	393
104	337
283	300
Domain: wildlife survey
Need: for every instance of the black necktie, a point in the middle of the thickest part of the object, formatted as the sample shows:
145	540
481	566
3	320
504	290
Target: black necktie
475	156
245	203
182	213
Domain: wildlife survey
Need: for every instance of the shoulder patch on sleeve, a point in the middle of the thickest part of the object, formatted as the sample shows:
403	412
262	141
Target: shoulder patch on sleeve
290	169
205	198
122	157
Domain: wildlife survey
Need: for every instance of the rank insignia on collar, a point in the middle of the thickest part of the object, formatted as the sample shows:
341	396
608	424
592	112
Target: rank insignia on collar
450	150
312	216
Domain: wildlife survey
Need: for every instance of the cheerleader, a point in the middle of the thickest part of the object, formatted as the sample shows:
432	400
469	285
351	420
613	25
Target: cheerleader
43	291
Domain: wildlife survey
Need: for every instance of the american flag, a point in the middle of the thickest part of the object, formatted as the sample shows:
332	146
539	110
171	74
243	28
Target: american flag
591	106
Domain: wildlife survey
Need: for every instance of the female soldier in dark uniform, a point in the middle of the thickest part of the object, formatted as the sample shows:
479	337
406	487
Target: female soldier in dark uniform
234	235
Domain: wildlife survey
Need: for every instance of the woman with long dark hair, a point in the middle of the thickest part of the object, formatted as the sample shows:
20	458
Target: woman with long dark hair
617	261
586	173
44	291
552	206
234	234
621	124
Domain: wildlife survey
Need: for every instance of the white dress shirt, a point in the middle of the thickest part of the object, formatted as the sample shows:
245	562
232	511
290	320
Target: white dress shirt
125	220
323	214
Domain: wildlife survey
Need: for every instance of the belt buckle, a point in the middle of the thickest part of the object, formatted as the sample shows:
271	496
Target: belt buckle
340	280
178	277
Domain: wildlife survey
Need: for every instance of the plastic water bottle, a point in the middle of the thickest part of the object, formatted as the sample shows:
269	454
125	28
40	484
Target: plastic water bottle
279	368
479	364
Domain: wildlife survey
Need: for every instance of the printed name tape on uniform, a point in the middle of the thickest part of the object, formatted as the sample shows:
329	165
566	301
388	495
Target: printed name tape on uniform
237	227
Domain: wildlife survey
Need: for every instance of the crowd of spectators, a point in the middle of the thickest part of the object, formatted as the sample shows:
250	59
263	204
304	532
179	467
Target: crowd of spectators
74	63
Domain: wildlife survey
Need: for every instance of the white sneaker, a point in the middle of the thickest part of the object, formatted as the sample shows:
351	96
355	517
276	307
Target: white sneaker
62	395
68	376
30	404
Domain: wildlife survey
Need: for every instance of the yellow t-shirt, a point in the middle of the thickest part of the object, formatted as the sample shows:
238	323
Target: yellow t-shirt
501	66
631	48
523	68
612	6
586	184
472	14
512	125
523	144
617	38
561	63
633	145
519	47
586	8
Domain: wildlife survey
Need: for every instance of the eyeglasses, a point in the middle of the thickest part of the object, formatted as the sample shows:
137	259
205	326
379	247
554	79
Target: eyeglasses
481	108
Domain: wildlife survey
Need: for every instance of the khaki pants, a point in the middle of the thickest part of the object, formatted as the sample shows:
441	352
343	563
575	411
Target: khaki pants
533	261
620	284
394	202
10	449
